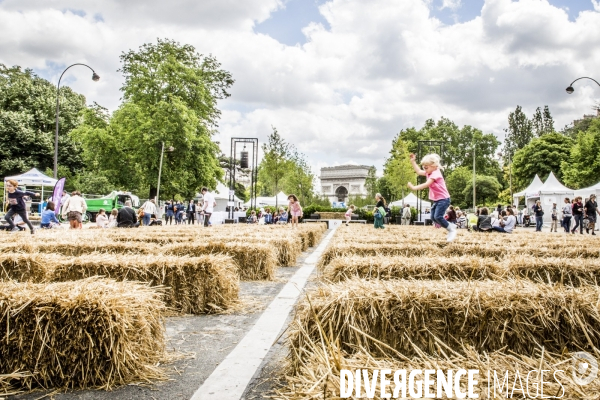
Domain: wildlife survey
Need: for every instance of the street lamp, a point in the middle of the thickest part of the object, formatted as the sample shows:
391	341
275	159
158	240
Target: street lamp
570	89
162	153
509	174
95	78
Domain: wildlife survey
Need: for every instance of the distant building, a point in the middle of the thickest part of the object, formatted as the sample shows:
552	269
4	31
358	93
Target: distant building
339	183
588	116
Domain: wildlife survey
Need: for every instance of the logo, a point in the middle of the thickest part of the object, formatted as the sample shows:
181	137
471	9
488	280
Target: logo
585	368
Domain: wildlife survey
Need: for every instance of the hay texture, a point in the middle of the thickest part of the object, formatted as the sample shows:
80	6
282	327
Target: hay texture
489	316
566	271
93	333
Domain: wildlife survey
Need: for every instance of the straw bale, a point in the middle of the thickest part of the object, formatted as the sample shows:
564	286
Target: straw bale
193	285
94	333
567	271
430	249
318	375
487	315
26	267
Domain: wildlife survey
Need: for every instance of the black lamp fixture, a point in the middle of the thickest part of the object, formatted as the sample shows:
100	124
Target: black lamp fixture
570	89
95	78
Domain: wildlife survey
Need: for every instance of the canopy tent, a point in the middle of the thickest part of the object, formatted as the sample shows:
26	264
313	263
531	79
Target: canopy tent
552	191
33	177
221	195
531	190
279	200
586	192
412	200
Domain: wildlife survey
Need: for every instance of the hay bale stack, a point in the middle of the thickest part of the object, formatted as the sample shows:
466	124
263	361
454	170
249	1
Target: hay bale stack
193	285
488	315
566	271
93	333
27	267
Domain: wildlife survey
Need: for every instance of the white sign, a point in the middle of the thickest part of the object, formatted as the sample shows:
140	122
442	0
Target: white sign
232	193
231	203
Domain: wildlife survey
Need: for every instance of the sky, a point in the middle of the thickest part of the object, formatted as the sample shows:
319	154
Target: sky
337	78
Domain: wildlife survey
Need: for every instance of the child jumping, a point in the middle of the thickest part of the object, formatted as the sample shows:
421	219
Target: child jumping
294	209
348	214
438	193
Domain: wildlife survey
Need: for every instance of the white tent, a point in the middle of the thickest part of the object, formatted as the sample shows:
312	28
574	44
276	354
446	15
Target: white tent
221	195
280	200
586	192
412	200
530	191
552	191
33	177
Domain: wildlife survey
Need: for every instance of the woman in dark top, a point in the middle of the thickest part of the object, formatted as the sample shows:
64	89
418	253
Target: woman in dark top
539	216
591	208
170	209
380	207
484	221
578	215
16	205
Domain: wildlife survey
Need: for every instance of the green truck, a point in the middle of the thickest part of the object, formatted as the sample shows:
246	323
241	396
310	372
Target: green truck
108	202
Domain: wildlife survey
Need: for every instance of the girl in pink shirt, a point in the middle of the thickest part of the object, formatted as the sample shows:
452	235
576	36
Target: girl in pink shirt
294	209
438	193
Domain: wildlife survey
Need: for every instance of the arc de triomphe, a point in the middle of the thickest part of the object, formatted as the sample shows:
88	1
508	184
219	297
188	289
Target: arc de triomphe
339	183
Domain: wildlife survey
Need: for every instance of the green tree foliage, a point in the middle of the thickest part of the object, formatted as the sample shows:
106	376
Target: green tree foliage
170	96
456	181
397	170
487	189
542	122
541	156
371	182
27	122
582	168
518	134
283	168
458	145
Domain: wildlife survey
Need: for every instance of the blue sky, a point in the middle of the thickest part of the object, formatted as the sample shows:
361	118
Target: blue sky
285	25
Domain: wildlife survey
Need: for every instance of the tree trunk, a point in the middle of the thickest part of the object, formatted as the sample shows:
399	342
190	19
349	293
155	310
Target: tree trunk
152	193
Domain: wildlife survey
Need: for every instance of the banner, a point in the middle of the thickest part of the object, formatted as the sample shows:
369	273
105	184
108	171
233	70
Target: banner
57	194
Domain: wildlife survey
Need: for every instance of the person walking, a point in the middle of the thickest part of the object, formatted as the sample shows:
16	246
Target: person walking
170	212
149	208
406	215
294	209
379	212
74	209
191	212
554	224
17	205
578	215
208	205
179	208
438	193
591	208
567	212
539	215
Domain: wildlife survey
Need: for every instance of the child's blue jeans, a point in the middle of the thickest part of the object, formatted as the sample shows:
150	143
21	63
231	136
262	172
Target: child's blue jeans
439	210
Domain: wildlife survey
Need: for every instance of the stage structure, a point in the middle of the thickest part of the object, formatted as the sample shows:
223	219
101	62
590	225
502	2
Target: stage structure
245	162
427	147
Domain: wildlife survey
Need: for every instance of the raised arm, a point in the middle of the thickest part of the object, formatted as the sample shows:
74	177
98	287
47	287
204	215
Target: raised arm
418	170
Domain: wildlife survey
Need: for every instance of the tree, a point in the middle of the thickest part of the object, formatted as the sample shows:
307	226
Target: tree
582	167
456	181
27	123
299	177
518	134
371	182
275	163
542	156
542	123
487	190
397	169
170	96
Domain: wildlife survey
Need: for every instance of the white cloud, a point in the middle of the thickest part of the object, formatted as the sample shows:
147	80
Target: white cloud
451	4
596	4
382	65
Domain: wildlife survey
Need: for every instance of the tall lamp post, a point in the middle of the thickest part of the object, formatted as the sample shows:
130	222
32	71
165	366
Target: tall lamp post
162	153
95	78
570	89
509	173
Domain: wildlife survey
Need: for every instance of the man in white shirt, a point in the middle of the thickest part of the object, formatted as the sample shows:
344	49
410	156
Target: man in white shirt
149	209
208	205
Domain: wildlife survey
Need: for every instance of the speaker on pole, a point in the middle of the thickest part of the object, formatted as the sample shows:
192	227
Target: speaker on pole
244	160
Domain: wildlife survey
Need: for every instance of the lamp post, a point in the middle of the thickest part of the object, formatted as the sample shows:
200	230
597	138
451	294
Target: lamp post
570	89
509	172
95	78
162	153
474	190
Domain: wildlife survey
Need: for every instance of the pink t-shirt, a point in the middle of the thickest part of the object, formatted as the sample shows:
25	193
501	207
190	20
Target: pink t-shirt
437	190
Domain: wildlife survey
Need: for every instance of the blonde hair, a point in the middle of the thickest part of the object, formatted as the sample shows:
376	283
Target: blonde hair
432	159
351	206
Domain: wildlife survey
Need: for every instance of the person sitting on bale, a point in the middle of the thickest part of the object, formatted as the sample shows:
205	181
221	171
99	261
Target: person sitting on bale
484	221
126	217
49	219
